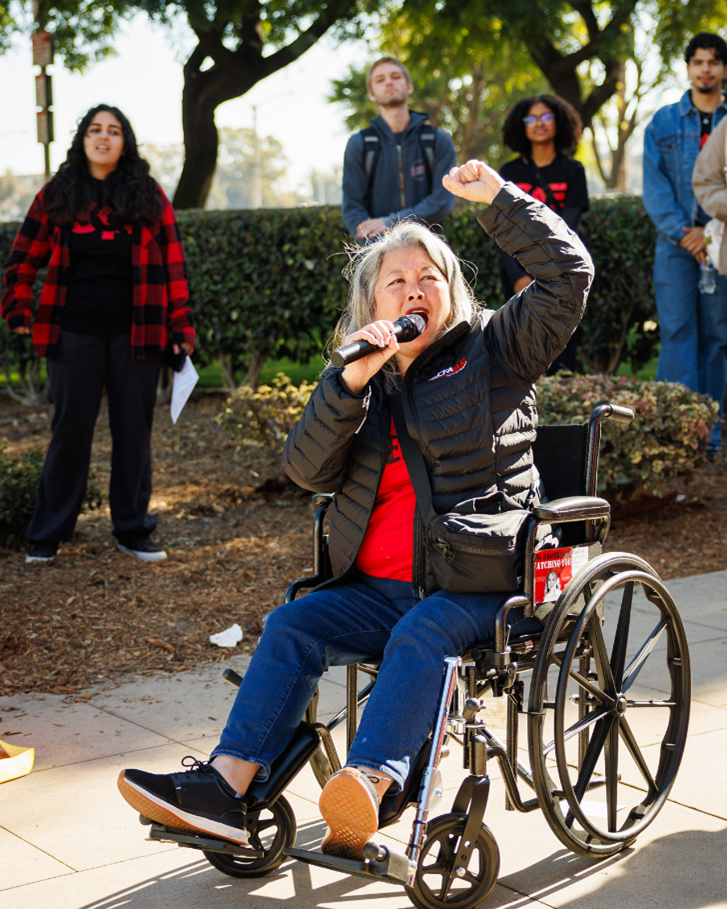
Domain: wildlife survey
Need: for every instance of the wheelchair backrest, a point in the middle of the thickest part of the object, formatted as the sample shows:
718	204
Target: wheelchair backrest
561	455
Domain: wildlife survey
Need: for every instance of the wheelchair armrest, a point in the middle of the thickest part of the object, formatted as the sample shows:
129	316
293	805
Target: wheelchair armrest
322	498
571	508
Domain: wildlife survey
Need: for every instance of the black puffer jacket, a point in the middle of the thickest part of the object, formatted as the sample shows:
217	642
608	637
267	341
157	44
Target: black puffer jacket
469	398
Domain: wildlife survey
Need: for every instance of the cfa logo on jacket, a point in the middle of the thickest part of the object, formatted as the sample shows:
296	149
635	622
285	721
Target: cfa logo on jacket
450	370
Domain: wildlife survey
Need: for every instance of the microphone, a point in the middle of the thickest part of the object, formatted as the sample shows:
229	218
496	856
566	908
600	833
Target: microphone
407	328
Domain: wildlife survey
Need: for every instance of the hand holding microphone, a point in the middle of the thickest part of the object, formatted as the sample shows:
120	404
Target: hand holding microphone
407	328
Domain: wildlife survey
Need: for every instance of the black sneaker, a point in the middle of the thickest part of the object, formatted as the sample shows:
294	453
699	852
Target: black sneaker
143	548
42	551
198	800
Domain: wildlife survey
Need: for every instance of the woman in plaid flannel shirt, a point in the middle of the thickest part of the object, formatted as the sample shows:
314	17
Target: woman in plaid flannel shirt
114	296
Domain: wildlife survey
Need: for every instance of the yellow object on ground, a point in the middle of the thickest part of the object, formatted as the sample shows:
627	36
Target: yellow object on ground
15	761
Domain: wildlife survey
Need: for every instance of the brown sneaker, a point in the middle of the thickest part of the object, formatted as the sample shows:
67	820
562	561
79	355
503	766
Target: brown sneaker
350	806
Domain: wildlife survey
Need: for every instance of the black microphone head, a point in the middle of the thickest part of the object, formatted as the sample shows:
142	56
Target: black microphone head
412	326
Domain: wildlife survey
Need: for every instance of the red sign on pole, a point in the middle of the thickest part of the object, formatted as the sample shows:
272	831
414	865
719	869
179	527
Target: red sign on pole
42	48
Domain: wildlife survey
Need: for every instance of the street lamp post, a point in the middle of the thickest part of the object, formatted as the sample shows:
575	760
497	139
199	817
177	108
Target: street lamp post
257	164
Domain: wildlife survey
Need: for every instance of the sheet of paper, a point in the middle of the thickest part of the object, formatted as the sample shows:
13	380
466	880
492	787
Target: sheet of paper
227	638
184	382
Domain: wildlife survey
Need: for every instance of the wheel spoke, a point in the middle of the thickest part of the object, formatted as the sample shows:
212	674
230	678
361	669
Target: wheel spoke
600	655
618	652
255	841
582	724
634	667
595	746
590	687
442	875
635	752
435	868
611	756
471	878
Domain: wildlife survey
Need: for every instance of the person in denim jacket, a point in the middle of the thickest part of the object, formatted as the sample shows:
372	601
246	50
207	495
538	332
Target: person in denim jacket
693	324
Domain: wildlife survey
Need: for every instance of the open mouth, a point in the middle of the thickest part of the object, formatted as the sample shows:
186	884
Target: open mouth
423	315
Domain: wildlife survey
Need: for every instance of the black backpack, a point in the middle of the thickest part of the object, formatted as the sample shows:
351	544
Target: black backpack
372	152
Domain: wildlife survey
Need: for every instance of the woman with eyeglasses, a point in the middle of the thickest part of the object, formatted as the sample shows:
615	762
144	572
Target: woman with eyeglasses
543	130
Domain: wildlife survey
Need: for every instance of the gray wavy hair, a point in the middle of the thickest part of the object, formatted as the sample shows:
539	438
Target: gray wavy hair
363	270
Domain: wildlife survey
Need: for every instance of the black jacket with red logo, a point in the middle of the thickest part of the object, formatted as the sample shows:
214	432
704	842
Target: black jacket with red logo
469	398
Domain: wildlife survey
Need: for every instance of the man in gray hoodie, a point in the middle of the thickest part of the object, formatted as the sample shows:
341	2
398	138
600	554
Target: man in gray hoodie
393	169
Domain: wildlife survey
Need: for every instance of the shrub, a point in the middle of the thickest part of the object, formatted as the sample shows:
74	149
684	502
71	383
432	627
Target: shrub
19	478
666	439
265	415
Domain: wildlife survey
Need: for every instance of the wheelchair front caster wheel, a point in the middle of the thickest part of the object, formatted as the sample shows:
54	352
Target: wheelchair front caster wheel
271	830
441	882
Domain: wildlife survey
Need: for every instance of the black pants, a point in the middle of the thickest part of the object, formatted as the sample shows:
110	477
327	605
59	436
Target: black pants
77	375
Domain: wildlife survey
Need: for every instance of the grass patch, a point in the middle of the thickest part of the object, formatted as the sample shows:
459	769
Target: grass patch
647	373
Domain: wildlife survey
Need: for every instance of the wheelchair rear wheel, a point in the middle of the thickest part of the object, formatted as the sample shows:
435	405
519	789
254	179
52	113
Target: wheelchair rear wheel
606	743
440	882
271	830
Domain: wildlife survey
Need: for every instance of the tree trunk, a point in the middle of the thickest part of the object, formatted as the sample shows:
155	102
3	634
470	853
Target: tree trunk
228	365
203	92
233	73
257	361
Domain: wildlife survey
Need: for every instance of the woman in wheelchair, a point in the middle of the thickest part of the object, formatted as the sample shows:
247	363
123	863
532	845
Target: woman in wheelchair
467	392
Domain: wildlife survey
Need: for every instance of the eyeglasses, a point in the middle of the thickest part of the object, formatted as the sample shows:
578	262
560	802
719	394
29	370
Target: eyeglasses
543	118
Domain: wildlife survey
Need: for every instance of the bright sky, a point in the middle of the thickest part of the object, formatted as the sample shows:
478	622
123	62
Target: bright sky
144	80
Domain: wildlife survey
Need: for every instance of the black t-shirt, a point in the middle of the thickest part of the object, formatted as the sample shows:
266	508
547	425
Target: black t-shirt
565	176
705	126
566	179
100	294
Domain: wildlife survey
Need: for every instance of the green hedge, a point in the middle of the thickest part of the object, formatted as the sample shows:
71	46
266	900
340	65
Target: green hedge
269	281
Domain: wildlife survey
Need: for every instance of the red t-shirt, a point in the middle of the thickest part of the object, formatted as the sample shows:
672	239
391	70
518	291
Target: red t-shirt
387	548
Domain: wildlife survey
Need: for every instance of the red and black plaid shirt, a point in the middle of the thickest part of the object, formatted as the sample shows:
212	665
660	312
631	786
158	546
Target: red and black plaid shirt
159	270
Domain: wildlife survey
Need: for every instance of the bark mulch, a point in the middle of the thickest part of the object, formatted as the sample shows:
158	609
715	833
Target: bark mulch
236	536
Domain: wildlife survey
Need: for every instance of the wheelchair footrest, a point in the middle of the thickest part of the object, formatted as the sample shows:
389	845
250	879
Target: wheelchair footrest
161	834
394	867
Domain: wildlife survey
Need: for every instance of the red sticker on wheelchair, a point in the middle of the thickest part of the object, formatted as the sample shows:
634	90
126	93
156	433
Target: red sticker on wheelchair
554	568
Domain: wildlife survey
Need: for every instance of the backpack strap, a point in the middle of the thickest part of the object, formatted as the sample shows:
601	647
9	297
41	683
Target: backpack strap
372	153
428	141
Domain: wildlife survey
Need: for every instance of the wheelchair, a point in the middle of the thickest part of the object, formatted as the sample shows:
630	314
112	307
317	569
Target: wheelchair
606	709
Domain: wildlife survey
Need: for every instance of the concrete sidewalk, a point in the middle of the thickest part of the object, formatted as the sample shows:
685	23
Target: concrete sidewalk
68	840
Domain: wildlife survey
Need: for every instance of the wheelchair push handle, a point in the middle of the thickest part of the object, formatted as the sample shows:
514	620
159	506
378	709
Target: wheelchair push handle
619	414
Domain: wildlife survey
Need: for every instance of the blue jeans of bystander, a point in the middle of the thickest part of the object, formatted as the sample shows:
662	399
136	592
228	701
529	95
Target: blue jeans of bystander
693	326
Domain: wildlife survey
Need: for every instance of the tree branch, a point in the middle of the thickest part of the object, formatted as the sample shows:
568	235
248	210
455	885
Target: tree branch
336	10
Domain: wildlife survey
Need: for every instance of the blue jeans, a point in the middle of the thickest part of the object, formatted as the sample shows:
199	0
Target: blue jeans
693	326
367	619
